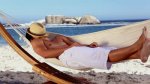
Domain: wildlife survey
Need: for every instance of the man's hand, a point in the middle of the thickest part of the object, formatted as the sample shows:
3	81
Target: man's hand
93	45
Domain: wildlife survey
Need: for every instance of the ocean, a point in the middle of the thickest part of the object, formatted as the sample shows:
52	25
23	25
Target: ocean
70	30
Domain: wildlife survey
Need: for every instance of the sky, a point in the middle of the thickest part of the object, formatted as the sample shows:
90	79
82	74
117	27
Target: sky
28	10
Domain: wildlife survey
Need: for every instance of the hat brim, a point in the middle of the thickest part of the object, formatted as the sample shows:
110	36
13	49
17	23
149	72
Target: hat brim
36	35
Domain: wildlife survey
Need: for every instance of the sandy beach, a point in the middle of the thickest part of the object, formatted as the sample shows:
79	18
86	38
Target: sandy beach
15	70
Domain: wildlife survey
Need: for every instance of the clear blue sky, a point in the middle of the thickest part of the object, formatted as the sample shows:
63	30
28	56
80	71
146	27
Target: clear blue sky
103	9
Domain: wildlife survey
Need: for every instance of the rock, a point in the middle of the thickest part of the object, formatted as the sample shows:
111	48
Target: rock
88	19
60	19
78	19
70	21
54	19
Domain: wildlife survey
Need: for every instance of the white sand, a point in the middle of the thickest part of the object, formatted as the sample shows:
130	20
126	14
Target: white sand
13	69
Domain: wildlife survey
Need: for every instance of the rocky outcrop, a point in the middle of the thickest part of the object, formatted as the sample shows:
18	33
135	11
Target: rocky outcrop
60	19
88	19
54	19
70	21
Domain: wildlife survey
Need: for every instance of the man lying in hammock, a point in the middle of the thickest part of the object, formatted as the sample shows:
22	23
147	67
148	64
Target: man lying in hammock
79	56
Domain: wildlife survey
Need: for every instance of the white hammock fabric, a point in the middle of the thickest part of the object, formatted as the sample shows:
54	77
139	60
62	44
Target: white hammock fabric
117	37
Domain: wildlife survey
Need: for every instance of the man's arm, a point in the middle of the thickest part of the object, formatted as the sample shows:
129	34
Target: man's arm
50	53
45	52
69	42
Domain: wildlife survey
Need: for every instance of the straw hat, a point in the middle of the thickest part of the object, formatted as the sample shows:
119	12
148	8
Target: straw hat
37	30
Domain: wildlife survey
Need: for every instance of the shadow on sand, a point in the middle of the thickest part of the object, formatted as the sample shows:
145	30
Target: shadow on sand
114	78
7	77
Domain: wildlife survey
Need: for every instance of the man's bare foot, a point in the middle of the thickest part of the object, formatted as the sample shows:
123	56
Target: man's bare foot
145	32
142	38
145	51
139	43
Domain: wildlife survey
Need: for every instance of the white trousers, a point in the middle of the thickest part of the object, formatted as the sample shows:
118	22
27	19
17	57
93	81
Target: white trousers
86	57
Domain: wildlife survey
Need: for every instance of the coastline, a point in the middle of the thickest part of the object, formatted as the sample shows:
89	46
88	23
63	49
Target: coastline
103	23
72	25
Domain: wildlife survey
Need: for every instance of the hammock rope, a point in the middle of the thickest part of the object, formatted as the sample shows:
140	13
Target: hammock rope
20	31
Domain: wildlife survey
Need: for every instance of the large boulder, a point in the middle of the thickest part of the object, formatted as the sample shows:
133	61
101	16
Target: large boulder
88	19
70	21
54	19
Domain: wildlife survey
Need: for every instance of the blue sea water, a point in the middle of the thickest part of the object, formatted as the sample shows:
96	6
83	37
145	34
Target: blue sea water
74	30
